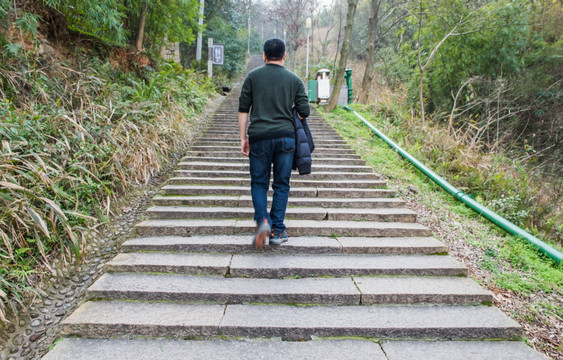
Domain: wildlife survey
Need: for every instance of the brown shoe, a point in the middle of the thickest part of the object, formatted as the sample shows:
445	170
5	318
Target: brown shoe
262	234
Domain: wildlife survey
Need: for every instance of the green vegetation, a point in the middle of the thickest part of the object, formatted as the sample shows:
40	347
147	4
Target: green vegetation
226	23
513	263
79	128
486	78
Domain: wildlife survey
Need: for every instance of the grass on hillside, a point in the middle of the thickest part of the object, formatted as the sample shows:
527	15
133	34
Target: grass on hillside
528	286
535	272
75	135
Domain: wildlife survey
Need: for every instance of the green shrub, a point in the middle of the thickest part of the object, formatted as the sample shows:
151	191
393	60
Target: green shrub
514	264
78	136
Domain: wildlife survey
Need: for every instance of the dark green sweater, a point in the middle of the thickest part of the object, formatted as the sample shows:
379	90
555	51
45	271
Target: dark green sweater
271	91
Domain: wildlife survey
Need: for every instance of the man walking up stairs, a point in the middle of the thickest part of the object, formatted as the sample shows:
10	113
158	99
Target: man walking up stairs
270	91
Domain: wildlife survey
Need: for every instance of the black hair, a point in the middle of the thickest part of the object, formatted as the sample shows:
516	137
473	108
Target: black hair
274	49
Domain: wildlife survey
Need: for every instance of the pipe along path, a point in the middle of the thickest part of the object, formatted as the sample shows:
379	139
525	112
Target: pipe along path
485	212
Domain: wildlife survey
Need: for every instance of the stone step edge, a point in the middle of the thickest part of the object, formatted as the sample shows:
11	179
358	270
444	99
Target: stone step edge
296	245
396	202
110	318
295	228
297	213
317	348
278	266
332	291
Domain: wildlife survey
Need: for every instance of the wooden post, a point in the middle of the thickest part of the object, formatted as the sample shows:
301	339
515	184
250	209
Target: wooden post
210	57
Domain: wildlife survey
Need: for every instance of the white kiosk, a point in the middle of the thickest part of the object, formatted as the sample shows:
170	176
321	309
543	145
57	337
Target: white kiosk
323	86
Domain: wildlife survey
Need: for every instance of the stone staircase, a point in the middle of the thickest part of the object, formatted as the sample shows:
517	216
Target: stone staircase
358	279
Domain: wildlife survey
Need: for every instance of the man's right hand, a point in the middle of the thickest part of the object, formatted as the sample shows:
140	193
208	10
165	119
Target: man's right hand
244	147
243	123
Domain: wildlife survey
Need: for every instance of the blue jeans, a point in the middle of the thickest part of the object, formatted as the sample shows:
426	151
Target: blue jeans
263	154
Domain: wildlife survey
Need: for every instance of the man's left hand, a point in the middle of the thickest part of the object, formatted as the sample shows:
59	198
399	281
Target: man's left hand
245	147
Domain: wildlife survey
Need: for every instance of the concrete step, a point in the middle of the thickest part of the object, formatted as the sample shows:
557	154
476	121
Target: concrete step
244	160
294	191
321	137
296	245
330	291
295	228
318	133
235	142
234	131
317	175
237	154
116	318
248	349
470	350
295	182
231	166
298	213
282	265
228	125
276	349
236	149
421	289
192	264
279	266
246	201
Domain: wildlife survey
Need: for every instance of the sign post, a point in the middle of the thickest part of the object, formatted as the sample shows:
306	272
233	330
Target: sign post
210	57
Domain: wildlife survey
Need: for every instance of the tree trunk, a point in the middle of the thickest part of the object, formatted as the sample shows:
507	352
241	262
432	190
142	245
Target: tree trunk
338	39
421	96
343	54
141	30
370	51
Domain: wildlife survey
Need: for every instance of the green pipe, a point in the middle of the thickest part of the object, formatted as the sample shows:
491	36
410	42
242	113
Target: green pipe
464	198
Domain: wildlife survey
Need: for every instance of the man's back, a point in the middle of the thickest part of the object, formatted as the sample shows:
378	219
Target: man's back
271	91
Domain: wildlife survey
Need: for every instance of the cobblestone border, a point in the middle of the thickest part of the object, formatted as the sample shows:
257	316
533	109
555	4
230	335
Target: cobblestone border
38	327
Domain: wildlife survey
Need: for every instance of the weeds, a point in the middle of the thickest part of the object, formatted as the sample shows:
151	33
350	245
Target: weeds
514	264
72	139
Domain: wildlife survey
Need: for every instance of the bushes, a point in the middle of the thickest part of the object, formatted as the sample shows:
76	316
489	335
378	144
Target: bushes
74	138
529	198
513	264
